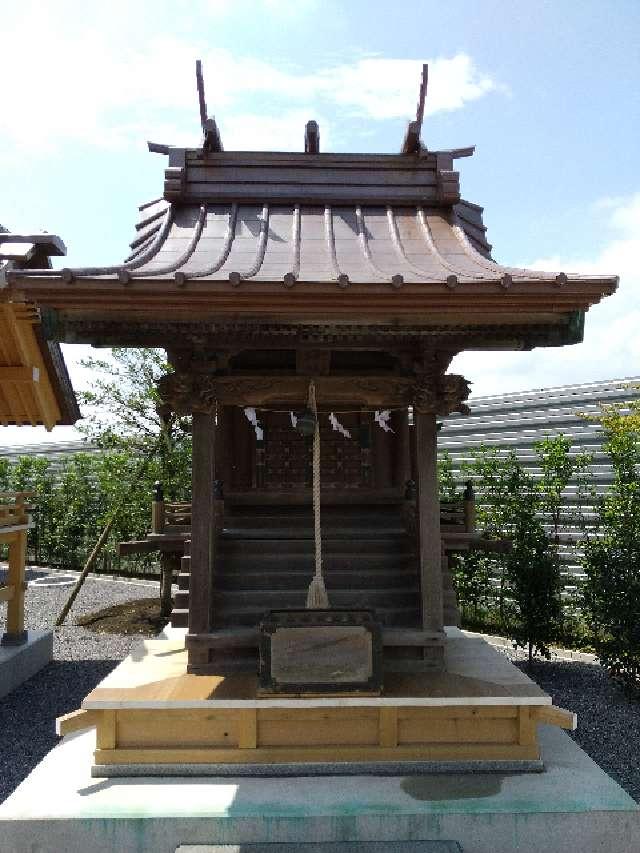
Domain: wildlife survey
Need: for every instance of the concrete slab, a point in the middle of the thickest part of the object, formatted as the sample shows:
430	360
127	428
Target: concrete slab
572	805
18	663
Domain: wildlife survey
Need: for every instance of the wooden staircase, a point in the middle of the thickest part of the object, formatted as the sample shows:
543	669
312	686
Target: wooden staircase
265	561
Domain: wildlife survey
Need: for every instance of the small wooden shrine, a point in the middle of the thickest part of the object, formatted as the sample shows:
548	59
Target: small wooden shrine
261	274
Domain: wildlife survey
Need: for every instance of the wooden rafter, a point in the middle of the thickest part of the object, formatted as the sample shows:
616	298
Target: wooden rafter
26	393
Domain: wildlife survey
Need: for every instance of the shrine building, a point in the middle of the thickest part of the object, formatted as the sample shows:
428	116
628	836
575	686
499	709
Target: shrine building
310	304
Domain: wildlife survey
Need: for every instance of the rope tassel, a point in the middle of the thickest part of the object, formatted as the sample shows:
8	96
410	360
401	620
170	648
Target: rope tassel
317	598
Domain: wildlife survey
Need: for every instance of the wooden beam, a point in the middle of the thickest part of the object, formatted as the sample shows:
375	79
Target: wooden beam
555	716
106	730
158	148
429	521
76	721
329	754
202	530
165	544
247	728
388	726
19	374
28	352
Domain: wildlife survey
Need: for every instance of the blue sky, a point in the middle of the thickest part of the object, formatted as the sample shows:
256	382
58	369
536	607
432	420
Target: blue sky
547	91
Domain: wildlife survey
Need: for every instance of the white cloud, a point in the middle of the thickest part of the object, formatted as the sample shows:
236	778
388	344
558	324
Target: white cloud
611	347
284	132
388	88
84	79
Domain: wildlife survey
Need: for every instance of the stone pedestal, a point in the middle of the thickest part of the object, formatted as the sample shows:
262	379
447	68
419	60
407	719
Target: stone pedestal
572	805
20	662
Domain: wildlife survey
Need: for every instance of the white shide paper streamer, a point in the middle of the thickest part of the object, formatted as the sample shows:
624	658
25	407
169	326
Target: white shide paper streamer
337	426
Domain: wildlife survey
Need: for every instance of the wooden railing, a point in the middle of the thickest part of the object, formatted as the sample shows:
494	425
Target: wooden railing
14	524
175	516
461	512
172	516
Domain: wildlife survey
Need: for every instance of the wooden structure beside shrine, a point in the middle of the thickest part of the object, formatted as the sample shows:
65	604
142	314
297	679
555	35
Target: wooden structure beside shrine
34	390
34	384
259	272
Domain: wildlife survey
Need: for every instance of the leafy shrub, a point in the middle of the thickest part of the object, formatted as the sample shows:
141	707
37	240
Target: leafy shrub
612	559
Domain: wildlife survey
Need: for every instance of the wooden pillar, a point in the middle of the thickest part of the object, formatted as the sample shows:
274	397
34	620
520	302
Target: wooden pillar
169	564
429	521
15	633
202	531
157	508
403	448
225	450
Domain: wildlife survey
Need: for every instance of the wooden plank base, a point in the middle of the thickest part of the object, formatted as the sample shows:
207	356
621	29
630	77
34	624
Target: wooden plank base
294	735
149	711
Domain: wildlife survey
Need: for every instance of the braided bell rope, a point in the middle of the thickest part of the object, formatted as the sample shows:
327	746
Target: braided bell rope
317	593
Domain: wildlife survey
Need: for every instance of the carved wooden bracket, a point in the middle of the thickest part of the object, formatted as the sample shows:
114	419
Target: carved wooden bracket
185	393
441	395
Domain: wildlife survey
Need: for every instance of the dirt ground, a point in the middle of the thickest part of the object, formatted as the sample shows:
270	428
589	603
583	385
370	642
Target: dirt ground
141	617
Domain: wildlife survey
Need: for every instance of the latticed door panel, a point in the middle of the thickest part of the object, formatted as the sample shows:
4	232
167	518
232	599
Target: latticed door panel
287	454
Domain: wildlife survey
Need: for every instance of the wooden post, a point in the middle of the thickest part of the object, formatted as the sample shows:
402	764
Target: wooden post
469	504
429	521
157	509
15	633
202	532
168	564
403	457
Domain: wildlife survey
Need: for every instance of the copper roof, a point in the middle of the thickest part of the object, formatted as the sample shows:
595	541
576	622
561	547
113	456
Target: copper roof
238	242
239	217
277	235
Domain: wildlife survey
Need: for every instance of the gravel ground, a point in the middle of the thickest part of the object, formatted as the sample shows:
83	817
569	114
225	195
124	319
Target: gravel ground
608	720
81	660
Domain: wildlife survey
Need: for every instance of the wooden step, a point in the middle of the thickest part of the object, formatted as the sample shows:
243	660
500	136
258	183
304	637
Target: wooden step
181	599
179	618
307	533
334	578
267	599
379	544
402	617
305	563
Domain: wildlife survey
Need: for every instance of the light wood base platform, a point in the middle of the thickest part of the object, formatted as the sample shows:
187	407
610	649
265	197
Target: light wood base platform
149	710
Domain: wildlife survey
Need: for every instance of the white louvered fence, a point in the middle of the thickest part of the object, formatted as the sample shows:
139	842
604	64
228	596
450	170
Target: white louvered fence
516	421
